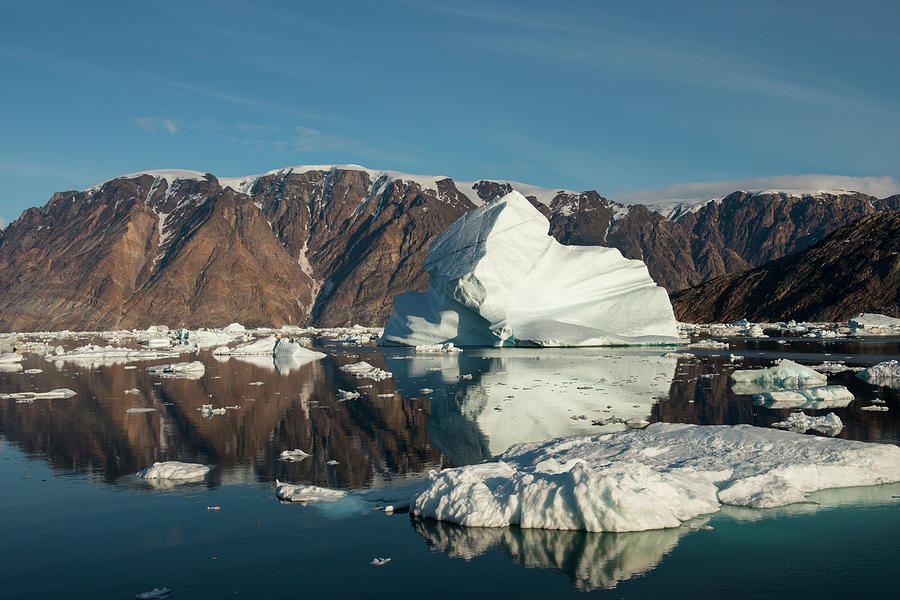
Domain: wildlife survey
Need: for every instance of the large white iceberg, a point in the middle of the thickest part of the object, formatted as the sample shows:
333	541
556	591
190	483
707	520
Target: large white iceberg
650	479
498	279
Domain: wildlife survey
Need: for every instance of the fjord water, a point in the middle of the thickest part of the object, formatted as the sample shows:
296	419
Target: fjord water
77	523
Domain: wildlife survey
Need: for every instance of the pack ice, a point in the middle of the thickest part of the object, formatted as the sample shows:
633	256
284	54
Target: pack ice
650	479
496	278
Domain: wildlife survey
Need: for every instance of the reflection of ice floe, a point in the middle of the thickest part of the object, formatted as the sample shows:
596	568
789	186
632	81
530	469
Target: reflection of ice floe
650	479
520	395
174	470
591	560
181	370
306	493
786	374
51	395
496	277
814	398
364	370
884	373
799	422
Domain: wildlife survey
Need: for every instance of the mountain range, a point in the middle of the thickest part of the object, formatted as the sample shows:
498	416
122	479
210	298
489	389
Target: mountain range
331	245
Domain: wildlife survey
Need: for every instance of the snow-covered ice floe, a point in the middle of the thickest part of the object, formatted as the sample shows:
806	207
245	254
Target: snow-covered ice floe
496	278
786	374
650	479
799	422
174	470
814	398
51	395
182	370
884	373
364	370
306	493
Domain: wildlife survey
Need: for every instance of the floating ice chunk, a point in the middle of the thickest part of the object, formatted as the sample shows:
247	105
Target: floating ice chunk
380	562
448	347
651	478
181	370
874	324
260	347
786	374
497	278
133	391
364	370
707	344
799	422
426	391
140	410
815	398
208	411
174	469
884	373
293	455
345	395
306	493
875	408
92	354
290	355
833	366
154	594
33	371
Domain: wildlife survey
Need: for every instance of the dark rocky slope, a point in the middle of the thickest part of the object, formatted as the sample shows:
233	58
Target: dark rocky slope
855	269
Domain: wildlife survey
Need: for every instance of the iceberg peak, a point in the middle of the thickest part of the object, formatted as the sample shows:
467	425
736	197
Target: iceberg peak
497	278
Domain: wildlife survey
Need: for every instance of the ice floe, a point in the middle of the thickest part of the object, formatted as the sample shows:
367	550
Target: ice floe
497	278
799	422
786	374
364	370
154	594
651	478
182	370
874	324
306	493
261	347
814	398
347	395
174	470
10	358
139	410
107	355
293	455
884	373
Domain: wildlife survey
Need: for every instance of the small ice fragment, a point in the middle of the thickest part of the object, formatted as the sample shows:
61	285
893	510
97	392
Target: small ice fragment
380	562
33	371
332	462
214	508
306	493
345	395
293	455
874	408
256	383
133	391
426	391
153	594
173	469
140	410
364	370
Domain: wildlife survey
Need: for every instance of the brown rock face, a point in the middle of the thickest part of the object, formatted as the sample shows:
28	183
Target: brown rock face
855	269
333	247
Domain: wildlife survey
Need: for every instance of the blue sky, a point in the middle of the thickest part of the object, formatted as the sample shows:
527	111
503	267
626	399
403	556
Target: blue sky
620	97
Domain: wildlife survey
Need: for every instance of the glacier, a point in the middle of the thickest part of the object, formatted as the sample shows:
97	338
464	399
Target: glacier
497	278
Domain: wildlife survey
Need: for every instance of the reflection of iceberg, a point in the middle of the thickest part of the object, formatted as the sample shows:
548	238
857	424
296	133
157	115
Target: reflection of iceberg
591	560
496	277
814	398
521	395
290	356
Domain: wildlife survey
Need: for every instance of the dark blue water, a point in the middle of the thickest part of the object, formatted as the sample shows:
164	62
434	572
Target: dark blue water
76	523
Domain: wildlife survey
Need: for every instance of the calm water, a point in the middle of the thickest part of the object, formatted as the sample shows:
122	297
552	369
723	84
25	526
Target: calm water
77	523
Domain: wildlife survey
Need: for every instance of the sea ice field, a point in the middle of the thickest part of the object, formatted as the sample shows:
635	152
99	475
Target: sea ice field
134	461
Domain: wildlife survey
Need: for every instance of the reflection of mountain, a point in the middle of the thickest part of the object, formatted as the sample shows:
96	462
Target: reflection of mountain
521	395
370	438
591	560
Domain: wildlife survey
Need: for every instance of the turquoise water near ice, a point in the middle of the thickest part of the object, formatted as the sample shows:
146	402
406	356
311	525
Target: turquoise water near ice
76	523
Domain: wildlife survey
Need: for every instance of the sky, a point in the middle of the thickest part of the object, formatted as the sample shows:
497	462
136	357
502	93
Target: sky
634	99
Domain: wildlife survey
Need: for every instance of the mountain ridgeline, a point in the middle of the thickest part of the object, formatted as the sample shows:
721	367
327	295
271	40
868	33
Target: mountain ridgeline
332	246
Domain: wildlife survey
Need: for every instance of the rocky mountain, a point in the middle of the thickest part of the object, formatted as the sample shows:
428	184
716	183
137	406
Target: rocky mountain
332	245
854	269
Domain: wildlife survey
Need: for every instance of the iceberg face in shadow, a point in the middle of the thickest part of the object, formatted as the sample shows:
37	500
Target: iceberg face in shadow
591	560
519	395
497	278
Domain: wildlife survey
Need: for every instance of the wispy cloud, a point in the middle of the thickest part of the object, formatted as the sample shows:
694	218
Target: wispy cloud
704	190
154	125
